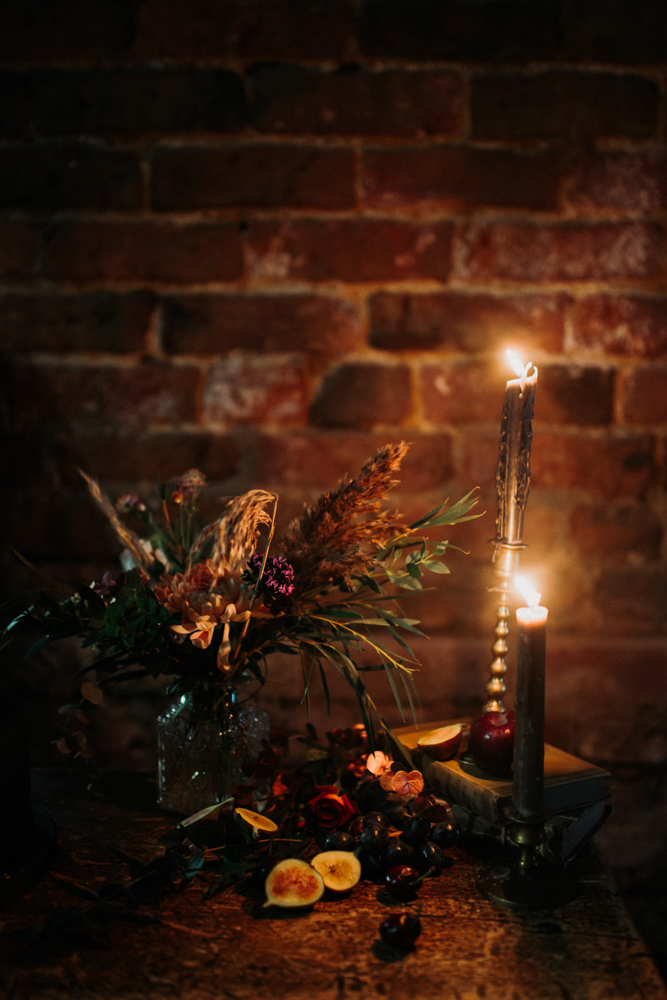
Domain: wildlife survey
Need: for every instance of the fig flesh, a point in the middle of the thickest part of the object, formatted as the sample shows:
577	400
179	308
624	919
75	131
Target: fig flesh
441	744
293	883
340	870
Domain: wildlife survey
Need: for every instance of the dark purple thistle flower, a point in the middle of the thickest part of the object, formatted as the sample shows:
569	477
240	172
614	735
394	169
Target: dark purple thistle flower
277	584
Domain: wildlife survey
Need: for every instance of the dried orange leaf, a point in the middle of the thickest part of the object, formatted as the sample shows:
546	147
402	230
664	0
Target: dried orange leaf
257	821
92	693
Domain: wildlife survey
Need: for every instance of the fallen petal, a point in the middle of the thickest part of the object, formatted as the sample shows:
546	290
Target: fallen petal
408	784
388	781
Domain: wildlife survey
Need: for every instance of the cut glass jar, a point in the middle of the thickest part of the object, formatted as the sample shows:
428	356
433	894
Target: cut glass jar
204	738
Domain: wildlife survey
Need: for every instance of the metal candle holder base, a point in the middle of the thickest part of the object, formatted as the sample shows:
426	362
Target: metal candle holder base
527	881
505	564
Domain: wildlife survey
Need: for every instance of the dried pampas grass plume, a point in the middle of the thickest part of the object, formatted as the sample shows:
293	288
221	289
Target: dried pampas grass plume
235	531
126	537
337	536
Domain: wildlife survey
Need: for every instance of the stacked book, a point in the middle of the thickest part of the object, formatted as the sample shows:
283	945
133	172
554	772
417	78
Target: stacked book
576	793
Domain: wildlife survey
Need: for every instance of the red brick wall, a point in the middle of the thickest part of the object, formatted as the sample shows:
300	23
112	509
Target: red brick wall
264	237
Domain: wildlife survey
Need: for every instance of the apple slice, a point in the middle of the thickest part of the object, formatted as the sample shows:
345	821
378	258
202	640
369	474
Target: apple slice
441	744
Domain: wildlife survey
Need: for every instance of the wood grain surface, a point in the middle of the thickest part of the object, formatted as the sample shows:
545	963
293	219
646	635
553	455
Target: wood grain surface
230	948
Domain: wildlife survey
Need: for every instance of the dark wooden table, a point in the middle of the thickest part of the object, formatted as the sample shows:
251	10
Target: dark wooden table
230	948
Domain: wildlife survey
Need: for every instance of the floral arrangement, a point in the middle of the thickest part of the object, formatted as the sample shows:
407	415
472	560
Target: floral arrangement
205	603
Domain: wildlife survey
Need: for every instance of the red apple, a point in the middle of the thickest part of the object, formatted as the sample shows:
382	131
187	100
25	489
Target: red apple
491	743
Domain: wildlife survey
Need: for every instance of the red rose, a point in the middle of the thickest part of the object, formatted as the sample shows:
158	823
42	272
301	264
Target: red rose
329	809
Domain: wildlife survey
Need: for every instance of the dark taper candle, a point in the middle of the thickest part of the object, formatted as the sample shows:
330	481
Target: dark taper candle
529	707
513	470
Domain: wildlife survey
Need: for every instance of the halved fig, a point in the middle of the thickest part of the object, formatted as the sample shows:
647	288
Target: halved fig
340	870
441	744
293	883
257	821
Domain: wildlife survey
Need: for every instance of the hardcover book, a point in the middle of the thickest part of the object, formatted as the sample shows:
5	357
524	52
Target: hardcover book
569	782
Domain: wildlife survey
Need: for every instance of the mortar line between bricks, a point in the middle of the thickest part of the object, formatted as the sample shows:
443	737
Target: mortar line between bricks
661	457
623	375
44	359
374	65
214	140
347	291
661	127
153	341
358	176
411	215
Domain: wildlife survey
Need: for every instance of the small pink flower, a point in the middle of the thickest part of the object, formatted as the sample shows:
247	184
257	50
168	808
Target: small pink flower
378	763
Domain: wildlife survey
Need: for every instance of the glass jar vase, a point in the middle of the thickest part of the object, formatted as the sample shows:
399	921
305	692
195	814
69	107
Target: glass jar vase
204	739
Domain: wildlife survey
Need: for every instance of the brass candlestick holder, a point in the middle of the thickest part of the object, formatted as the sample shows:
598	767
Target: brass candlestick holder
528	880
506	563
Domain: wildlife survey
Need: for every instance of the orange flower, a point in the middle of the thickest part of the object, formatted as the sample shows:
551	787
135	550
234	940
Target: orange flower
185	590
201	625
279	788
206	601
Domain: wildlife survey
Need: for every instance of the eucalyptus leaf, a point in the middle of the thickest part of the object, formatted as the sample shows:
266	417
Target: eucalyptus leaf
435	567
203	813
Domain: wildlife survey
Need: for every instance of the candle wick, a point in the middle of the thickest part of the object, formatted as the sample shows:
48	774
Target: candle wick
524	376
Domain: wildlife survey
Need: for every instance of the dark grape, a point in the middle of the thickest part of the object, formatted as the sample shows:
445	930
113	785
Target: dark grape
429	855
445	834
375	819
416	830
371	867
401	930
398	853
374	838
339	841
356	826
403	881
396	813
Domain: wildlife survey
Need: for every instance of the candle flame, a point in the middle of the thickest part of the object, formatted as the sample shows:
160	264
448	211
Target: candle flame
527	591
516	363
